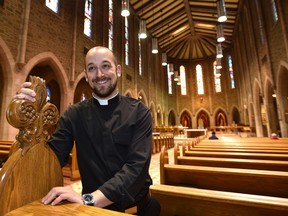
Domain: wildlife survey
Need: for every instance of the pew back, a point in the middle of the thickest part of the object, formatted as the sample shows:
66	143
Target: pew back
261	182
33	169
176	200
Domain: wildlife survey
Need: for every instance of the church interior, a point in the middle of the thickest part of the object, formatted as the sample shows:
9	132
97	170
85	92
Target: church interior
199	66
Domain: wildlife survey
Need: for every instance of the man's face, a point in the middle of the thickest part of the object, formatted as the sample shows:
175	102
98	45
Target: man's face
101	72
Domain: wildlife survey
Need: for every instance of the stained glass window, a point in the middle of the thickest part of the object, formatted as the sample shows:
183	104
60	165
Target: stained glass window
48	91
199	77
140	57
274	11
126	41
169	78
217	77
183	80
53	5
110	32
88	18
231	72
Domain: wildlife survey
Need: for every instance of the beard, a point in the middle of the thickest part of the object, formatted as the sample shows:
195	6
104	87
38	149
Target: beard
103	91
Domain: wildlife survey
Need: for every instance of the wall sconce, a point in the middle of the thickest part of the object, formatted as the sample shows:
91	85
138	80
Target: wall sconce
142	30
219	53
125	8
219	65
164	59
221	10
154	46
220	33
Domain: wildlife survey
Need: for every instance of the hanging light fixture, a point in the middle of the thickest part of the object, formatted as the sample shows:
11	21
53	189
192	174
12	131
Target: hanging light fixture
164	59
125	8
142	31
176	77
221	10
179	81
218	65
154	40
220	33
154	46
219	53
171	69
218	73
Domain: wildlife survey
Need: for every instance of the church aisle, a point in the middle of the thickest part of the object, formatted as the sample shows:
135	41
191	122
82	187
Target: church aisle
153	170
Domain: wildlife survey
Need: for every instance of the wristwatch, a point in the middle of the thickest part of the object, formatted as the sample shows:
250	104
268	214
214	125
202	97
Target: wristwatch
88	199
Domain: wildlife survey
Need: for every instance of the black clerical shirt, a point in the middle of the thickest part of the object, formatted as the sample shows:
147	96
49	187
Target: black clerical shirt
113	145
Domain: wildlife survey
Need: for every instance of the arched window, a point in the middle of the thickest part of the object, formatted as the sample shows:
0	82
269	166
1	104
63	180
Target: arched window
53	5
140	57
110	31
183	80
88	18
199	77
217	79
231	72
126	41
48	91
274	11
169	79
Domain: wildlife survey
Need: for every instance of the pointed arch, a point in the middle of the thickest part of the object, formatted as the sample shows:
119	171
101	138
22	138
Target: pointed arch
282	96
50	60
185	119
7	88
202	119
220	117
172	118
142	97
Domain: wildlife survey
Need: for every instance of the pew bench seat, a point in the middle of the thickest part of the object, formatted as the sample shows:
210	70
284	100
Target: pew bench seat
176	200
259	156
273	165
261	182
241	150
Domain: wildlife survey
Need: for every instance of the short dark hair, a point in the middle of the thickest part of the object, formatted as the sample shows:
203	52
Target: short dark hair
213	132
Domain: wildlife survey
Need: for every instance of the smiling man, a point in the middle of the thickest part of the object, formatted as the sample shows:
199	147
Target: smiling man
113	137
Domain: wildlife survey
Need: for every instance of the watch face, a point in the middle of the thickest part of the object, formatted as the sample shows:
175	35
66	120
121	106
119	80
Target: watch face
88	199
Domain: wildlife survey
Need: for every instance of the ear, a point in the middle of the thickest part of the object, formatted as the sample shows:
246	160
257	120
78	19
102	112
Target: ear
85	74
118	70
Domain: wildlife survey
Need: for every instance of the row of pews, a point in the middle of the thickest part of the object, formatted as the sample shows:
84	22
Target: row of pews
233	176
160	140
71	169
5	147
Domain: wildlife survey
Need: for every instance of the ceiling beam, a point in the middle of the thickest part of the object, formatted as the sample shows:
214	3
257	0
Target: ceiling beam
190	20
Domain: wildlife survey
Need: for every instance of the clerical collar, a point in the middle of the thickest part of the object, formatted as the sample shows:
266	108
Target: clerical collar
104	102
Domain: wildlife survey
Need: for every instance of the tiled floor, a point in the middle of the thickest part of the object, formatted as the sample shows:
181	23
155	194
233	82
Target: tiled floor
154	171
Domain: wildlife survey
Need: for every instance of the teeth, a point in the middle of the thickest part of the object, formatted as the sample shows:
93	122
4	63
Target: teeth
101	81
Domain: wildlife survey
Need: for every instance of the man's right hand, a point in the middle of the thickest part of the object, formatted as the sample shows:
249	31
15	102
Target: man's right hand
26	93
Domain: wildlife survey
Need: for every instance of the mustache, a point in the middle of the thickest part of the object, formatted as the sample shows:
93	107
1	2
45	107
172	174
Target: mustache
99	79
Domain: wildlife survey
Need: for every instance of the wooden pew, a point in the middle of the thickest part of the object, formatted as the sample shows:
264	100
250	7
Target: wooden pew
32	169
76	209
243	150
250	181
176	200
242	155
5	147
274	165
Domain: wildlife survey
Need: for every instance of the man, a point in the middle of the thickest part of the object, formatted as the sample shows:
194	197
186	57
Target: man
213	136
113	136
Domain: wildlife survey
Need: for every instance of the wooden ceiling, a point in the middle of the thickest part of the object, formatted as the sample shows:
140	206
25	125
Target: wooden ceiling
186	29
